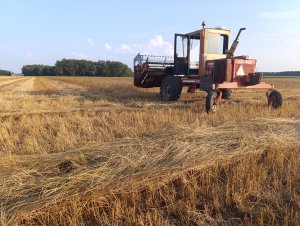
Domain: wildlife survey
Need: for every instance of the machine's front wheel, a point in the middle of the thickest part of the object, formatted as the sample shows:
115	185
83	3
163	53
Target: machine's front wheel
226	93
275	99
170	88
211	101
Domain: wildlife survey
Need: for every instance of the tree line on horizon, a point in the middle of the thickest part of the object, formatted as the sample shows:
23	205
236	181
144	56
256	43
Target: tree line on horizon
71	67
5	72
282	73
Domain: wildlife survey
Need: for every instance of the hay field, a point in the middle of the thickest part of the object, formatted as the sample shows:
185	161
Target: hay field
98	151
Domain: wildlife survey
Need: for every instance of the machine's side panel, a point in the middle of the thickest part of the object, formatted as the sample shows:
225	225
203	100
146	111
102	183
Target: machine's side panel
243	67
219	70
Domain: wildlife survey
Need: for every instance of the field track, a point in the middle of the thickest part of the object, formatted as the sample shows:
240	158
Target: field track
9	85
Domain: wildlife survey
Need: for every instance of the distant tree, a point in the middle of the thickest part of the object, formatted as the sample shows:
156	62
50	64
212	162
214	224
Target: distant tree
283	73
48	71
102	69
66	67
27	70
58	69
86	68
113	69
5	72
71	67
38	70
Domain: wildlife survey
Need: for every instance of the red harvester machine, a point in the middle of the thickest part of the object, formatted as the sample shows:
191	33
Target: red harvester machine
202	61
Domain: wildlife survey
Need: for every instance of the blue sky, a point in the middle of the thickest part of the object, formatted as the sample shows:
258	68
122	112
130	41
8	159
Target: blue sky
43	31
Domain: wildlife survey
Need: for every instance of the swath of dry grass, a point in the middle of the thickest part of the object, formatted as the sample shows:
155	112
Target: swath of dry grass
50	120
131	166
87	151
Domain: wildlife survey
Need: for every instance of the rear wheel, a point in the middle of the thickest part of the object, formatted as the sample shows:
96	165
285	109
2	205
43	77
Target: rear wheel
211	101
275	99
226	93
170	88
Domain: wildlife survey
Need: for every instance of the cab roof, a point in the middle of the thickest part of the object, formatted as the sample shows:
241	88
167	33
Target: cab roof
196	34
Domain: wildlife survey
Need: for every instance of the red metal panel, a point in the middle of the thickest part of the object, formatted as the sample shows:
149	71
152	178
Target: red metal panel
229	77
243	67
220	70
236	85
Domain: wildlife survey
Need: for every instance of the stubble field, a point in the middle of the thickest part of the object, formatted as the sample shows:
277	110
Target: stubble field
98	151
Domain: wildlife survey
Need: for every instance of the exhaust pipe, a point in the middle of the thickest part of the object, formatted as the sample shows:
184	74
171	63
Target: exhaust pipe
234	44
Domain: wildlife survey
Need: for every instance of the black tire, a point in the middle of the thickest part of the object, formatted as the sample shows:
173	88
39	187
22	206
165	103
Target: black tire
211	102
226	93
170	88
275	99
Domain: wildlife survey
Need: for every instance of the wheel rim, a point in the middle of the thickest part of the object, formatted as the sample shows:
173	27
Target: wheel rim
214	107
211	102
214	104
168	90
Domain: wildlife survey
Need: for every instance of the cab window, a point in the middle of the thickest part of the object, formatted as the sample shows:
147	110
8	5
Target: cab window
216	43
181	46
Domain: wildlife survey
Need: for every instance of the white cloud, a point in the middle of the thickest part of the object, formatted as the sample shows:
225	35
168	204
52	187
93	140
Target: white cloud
155	46
292	42
90	42
281	15
158	43
81	56
108	46
29	55
125	49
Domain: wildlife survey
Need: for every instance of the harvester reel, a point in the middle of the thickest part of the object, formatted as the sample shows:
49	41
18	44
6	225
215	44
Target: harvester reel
170	88
275	99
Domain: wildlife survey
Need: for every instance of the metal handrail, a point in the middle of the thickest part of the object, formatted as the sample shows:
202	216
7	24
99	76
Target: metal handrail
153	59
